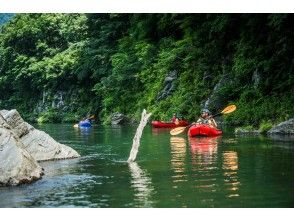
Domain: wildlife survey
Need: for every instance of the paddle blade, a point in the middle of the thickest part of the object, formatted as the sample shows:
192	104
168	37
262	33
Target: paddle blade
92	117
76	125
229	109
178	130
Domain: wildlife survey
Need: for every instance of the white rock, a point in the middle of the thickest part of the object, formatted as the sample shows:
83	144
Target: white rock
37	143
16	164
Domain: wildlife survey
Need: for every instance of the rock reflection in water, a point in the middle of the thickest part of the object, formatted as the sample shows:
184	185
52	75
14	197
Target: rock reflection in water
178	154
142	185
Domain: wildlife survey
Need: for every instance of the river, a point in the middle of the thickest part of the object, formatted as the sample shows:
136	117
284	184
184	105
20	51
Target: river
226	171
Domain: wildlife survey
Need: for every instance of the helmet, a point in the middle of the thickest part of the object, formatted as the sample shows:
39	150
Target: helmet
205	110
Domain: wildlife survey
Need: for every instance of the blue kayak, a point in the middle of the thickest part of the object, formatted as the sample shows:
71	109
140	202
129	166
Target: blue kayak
85	124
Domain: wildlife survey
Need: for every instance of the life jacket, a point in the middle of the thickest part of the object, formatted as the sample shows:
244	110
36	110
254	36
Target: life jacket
203	121
174	119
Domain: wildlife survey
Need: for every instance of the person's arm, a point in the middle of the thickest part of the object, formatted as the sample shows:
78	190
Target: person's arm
213	122
199	121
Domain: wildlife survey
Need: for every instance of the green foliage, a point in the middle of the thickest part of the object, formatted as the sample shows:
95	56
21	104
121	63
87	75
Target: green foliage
248	128
265	126
50	116
118	63
71	117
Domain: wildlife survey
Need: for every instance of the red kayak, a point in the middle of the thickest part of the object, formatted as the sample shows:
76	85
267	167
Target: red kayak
203	130
161	124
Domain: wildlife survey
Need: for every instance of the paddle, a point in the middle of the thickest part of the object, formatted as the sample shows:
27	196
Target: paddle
226	110
91	117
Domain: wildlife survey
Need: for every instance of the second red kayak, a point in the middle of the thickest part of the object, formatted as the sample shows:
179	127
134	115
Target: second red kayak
203	130
161	124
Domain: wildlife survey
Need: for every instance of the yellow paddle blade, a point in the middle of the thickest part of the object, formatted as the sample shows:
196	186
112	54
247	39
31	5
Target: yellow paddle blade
91	117
178	130
76	126
229	109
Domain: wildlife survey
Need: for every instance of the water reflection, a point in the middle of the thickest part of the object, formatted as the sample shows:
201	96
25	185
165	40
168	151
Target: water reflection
230	171
178	155
204	151
204	160
157	131
205	168
142	185
84	132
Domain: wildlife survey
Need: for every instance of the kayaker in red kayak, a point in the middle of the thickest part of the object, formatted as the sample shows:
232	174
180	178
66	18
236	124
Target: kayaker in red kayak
174	119
206	118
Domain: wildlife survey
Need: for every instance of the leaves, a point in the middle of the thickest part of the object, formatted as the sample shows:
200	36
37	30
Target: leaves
123	60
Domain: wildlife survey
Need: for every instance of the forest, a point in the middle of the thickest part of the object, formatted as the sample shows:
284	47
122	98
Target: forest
62	67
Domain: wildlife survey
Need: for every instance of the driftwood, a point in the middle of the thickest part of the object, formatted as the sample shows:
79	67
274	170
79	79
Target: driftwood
136	140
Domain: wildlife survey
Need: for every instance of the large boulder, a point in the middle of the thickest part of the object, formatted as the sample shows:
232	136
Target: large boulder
37	143
16	164
286	127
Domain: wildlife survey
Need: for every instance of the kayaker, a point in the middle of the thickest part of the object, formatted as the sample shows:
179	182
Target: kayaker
174	119
206	118
86	119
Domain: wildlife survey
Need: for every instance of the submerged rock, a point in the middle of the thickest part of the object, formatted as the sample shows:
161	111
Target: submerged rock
37	143
245	131
286	127
16	164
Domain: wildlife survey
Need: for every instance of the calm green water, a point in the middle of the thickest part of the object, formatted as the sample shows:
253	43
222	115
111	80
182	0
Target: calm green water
228	171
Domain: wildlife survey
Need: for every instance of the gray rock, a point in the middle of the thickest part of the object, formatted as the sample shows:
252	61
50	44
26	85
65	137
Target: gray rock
169	86
118	119
16	164
37	143
14	120
256	78
207	78
216	100
286	127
